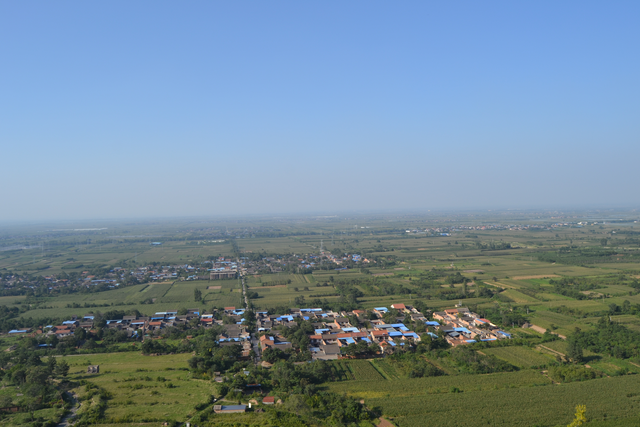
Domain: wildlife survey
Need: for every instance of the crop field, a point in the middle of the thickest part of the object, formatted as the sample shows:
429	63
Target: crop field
523	357
405	388
285	279
519	297
524	398
361	370
83	255
282	245
279	296
387	370
147	298
607	398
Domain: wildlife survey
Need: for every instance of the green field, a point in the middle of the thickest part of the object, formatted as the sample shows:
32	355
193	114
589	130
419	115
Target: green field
523	357
137	393
516	399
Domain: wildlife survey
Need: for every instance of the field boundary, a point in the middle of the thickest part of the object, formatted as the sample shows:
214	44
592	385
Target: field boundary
381	372
168	289
535	276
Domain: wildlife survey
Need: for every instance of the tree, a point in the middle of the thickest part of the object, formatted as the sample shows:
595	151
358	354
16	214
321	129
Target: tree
51	363
62	368
197	294
18	377
5	401
574	351
580	417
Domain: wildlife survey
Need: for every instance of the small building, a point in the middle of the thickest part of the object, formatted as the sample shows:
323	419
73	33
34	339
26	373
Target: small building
229	409
93	369
269	400
220	275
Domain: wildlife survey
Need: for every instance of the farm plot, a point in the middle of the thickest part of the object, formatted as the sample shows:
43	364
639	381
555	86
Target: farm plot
386	369
523	357
519	297
362	370
340	372
607	398
405	388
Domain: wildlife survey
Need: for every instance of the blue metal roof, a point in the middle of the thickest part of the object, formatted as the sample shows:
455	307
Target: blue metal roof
234	407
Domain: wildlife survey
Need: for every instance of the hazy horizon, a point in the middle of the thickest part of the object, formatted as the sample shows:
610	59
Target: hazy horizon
584	212
165	110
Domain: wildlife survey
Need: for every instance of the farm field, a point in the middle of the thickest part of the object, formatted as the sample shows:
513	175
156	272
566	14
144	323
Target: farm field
498	399
407	387
523	357
359	370
147	298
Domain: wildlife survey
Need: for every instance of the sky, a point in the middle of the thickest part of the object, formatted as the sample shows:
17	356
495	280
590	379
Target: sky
126	109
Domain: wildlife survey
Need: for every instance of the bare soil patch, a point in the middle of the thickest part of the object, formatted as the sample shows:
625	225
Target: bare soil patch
384	423
474	271
214	287
382	274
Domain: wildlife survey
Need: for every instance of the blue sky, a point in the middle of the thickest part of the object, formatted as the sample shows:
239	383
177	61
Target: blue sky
157	108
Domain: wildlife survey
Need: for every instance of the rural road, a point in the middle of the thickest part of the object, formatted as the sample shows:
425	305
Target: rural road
254	341
64	422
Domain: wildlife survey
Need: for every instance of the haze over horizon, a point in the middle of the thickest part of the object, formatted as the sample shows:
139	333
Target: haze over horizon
160	109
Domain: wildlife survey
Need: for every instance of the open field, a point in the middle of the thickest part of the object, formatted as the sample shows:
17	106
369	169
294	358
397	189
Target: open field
140	385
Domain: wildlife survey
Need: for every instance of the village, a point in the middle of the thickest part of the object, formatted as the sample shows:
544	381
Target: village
332	335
